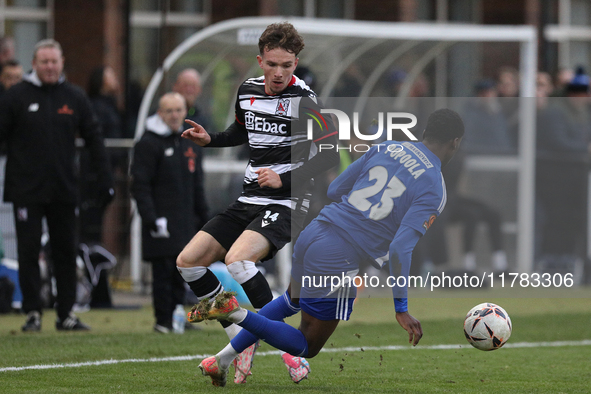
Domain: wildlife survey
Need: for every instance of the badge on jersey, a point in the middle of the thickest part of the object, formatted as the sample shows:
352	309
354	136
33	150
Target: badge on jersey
65	110
429	223
190	155
282	107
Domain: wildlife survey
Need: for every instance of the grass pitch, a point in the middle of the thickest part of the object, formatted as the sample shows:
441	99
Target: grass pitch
130	358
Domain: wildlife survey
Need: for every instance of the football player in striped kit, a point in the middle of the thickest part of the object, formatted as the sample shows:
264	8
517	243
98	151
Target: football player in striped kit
274	201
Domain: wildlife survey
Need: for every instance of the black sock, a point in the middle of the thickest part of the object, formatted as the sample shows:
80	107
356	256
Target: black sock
206	286
258	291
225	323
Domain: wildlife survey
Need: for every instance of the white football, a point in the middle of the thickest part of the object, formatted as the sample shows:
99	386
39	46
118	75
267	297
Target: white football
487	326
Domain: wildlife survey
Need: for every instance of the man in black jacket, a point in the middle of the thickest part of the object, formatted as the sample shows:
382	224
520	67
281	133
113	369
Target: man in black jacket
40	118
168	188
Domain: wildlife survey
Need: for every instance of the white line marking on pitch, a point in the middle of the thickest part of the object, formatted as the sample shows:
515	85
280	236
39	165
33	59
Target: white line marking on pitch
585	342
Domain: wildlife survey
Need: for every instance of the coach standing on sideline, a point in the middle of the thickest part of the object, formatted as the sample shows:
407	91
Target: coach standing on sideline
40	118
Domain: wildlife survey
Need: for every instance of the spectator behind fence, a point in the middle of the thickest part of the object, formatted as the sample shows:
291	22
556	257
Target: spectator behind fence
563	138
469	212
188	84
508	91
39	120
487	131
167	183
102	89
7	49
11	73
562	78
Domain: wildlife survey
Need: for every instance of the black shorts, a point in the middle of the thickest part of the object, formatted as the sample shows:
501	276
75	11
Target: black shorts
272	221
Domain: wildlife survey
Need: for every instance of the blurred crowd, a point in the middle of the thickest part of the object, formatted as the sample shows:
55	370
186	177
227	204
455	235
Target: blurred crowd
563	132
492	119
563	137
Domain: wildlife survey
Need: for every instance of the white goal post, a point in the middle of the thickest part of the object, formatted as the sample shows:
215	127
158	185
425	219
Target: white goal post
321	37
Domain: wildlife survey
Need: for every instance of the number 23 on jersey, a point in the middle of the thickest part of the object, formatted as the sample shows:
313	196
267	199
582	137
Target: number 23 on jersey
389	189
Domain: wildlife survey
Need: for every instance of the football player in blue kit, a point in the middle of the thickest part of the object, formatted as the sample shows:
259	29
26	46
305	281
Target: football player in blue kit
384	202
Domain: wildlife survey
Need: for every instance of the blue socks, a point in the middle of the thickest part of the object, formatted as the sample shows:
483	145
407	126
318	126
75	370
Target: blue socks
268	325
275	333
280	308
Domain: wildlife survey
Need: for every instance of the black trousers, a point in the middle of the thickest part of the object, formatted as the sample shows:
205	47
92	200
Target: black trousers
470	212
168	289
61	223
562	192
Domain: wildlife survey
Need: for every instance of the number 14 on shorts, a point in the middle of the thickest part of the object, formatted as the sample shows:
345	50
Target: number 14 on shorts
270	217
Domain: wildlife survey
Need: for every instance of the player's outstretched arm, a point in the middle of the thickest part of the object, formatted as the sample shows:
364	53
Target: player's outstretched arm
400	258
197	134
411	325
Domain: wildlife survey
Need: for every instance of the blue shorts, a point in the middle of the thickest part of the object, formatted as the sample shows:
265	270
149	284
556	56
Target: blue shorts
322	262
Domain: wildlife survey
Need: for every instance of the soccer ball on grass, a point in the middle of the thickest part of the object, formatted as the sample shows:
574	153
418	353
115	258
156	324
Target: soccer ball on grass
487	326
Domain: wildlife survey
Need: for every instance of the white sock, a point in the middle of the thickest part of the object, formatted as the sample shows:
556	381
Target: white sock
499	260
227	355
191	274
238	316
470	261
242	270
232	330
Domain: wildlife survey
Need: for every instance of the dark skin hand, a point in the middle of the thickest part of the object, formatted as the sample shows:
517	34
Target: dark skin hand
411	325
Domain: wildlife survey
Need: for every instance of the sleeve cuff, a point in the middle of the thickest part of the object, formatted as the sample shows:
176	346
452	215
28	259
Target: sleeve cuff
401	305
285	179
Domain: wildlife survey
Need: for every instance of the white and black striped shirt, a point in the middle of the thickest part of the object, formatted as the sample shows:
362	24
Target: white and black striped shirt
277	140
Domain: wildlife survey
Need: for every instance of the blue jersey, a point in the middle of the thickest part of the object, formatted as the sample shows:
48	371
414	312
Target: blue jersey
392	185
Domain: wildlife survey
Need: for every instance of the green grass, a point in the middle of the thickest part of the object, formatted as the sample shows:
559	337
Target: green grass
122	335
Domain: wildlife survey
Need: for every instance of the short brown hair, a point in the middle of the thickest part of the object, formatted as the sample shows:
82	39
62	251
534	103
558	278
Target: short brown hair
281	35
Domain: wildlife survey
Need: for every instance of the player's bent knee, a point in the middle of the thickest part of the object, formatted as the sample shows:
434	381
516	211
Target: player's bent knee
313	352
235	256
187	260
315	344
231	258
181	262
